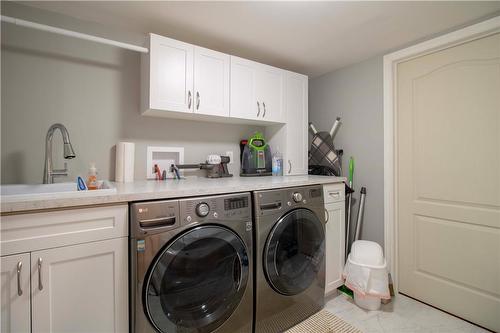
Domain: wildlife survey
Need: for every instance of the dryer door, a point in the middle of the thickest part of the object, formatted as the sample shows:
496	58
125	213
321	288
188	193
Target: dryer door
294	252
197	280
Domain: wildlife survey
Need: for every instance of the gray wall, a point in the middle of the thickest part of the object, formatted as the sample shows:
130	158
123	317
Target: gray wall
94	91
355	94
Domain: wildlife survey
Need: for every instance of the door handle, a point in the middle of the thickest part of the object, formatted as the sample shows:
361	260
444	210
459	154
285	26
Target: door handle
258	108
40	285
264	105
197	100
189	99
327	216
289	166
19	267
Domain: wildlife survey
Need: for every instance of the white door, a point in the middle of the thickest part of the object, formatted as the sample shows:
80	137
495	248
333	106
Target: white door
15	293
211	82
81	288
448	148
295	159
243	79
335	245
171	74
270	92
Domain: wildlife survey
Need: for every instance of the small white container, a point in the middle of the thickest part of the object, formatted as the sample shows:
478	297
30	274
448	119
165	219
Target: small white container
365	273
367	302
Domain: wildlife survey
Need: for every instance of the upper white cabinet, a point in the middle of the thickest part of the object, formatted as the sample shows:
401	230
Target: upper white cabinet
291	138
296	105
170	74
180	77
244	103
181	80
211	82
257	91
270	92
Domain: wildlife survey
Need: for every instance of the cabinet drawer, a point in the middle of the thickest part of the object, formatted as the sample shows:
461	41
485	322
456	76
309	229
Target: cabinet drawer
31	232
334	192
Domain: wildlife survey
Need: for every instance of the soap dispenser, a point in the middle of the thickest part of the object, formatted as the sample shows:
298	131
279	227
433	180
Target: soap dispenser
92	177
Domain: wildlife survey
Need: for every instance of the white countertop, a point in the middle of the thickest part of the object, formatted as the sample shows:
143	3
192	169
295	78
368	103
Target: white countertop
151	190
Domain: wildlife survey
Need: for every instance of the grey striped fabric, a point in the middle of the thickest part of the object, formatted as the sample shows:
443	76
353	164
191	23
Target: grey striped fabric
323	322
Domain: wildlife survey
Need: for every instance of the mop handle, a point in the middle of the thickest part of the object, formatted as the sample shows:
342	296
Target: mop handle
351	172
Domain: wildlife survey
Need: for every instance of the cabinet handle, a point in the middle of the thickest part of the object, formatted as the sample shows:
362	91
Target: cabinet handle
40	285
334	195
327	216
189	99
197	100
19	290
258	108
264	105
289	166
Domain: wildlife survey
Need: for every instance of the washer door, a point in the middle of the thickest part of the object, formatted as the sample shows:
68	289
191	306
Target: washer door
294	252
197	281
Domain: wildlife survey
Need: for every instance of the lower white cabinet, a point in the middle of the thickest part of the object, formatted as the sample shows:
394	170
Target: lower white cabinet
15	293
71	288
81	288
334	236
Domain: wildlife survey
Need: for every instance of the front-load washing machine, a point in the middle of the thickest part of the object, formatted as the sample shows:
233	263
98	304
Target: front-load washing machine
289	233
191	265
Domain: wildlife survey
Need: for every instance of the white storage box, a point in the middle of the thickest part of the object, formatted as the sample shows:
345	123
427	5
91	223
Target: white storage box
365	273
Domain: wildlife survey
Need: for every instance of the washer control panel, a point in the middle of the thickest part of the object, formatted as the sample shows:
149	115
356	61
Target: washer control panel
275	201
216	208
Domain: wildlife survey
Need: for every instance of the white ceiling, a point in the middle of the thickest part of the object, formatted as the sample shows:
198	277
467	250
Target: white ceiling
308	37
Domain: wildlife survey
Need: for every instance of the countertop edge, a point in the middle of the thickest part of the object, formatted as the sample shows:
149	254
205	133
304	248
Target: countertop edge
124	196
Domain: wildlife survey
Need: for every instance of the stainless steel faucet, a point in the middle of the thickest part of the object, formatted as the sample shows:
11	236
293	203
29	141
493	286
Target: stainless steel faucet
49	173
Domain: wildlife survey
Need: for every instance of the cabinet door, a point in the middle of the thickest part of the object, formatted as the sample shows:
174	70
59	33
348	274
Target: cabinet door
335	243
296	124
15	293
243	80
81	288
270	92
211	82
171	74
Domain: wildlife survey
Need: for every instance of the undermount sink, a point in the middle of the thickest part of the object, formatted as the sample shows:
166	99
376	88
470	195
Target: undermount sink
46	191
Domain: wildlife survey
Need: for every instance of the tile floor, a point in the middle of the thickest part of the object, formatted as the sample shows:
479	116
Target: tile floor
403	314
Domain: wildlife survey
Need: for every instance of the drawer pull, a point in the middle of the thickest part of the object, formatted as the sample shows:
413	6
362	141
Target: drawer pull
335	195
157	222
19	267
40	285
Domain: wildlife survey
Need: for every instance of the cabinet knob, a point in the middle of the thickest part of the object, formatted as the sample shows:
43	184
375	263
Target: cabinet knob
197	100
264	105
189	99
258	108
289	166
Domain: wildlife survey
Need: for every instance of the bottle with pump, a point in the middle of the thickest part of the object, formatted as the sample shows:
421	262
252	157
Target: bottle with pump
92	177
277	163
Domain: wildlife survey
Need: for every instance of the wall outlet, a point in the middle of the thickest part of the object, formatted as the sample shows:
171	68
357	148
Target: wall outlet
230	155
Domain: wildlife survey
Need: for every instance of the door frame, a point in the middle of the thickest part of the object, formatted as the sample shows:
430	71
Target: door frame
479	30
